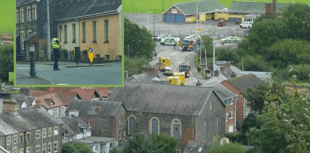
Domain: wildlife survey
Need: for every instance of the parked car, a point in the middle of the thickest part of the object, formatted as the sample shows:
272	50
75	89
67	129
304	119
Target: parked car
163	36
246	25
195	38
168	71
231	40
238	22
221	23
186	45
169	41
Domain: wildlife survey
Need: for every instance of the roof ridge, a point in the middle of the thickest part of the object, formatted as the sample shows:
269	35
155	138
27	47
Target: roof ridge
90	7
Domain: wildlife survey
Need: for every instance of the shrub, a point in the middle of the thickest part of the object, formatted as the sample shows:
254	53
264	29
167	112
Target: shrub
231	147
232	136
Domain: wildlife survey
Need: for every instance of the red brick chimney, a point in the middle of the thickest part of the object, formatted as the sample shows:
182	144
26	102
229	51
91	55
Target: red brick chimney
216	73
38	103
9	106
269	7
151	69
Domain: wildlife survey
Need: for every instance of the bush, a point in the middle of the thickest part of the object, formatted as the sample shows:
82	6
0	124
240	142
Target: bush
232	136
227	55
253	63
231	147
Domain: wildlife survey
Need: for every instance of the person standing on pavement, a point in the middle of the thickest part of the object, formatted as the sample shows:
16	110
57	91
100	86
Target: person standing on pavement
174	45
55	45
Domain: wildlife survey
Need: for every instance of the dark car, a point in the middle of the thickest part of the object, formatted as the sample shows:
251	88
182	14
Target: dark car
185	45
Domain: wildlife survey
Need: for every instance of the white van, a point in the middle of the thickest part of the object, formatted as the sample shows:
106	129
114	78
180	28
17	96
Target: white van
246	25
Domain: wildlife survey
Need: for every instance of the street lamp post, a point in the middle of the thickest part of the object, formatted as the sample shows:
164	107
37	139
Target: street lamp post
32	61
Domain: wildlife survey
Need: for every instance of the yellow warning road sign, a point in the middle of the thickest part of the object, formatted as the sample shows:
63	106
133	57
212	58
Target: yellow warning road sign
90	53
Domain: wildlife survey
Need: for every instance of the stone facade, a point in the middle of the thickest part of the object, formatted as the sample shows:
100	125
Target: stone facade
16	142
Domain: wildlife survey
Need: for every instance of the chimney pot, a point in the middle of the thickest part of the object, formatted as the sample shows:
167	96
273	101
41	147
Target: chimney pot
227	65
233	75
222	69
216	73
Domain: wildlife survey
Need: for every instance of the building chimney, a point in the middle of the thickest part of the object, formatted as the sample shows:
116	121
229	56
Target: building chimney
269	7
1	105
227	65
38	103
9	106
151	69
222	68
274	5
233	75
216	73
25	91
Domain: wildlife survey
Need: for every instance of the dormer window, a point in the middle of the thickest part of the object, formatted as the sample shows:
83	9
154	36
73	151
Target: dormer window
96	95
77	97
52	103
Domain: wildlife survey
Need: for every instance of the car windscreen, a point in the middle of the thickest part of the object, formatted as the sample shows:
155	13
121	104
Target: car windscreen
184	68
185	43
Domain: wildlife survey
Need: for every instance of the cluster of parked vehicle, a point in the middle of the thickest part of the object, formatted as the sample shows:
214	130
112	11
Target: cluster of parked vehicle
186	44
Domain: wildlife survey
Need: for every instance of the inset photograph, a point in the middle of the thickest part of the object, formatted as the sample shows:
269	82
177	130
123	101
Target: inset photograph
69	42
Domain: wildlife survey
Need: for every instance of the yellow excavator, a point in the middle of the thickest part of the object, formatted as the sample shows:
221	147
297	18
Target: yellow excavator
165	61
178	78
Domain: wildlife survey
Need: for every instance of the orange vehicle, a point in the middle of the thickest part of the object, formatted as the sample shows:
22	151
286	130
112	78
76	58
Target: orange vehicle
221	23
184	67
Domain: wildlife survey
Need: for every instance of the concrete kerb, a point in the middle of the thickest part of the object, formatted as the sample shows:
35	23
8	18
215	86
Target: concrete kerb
51	82
91	65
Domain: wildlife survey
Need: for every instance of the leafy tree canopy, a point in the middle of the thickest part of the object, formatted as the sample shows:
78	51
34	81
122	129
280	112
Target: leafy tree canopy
76	147
6	61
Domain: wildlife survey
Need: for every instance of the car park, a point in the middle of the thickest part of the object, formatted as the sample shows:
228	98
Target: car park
230	40
170	41
163	36
246	25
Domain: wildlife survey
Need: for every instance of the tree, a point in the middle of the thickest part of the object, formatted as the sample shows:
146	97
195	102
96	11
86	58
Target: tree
247	123
134	65
139	41
76	147
167	143
253	63
227	55
6	62
231	147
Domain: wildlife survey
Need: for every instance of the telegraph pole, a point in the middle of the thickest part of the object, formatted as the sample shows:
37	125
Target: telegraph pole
48	32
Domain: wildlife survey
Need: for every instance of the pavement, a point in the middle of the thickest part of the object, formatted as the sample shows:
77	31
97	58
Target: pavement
109	73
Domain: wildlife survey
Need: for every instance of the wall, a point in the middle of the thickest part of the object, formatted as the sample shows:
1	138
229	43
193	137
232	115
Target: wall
218	109
50	111
230	107
102	126
120	123
111	48
218	16
187	125
69	46
190	19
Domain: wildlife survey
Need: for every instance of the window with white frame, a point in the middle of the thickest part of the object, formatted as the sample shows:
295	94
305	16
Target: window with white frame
38	134
8	140
49	132
38	149
97	147
111	145
34	13
211	105
120	135
176	128
231	114
21	150
21	138
84	31
74	35
43	133
226	118
28	137
22	39
55	146
49	148
22	15
29	14
65	33
106	23
43	148
15	139
55	130
28	150
95	31
247	111
231	101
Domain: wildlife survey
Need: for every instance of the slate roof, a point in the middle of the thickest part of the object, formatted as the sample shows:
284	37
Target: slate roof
23	2
253	7
222	91
46	100
87	107
244	82
73	124
21	98
27	119
81	8
189	8
157	98
195	147
142	78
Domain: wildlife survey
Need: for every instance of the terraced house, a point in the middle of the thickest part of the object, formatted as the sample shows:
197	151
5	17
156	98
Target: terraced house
29	130
95	23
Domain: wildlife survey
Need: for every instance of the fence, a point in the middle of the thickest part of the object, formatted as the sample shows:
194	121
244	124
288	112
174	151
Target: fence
236	31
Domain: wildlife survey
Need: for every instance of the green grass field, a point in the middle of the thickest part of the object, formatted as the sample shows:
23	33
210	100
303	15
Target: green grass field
7	16
156	6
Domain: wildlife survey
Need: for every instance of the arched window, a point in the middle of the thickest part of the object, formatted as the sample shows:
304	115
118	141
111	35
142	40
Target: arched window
154	126
131	123
176	128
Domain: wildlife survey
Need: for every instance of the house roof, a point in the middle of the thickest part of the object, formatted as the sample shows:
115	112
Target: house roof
23	2
189	8
87	107
51	100
222	91
213	80
37	93
261	75
157	98
244	82
142	78
73	124
66	94
92	139
21	98
82	8
195	147
253	7
29	118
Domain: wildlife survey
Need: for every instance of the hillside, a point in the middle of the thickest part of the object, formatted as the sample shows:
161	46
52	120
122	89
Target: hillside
156	6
